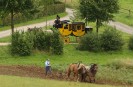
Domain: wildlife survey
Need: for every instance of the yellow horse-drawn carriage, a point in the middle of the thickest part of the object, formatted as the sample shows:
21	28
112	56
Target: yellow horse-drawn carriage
67	28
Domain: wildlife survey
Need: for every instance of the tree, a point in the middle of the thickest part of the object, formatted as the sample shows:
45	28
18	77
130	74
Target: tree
98	10
13	7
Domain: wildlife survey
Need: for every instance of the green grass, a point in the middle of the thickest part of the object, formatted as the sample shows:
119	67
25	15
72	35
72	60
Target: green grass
6	39
42	19
15	81
113	75
127	4
70	56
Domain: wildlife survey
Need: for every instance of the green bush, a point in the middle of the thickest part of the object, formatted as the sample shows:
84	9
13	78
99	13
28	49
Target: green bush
42	40
130	44
89	42
22	44
111	40
56	43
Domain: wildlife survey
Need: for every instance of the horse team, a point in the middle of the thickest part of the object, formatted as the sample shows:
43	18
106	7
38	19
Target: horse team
81	72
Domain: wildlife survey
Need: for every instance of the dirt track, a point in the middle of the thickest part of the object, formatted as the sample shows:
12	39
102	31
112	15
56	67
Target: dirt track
38	72
122	27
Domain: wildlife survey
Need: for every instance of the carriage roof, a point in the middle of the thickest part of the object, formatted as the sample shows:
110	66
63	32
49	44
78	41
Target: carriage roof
68	22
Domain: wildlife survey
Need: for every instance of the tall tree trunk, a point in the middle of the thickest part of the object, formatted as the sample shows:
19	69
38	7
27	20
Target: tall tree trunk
46	14
12	22
3	21
86	20
97	25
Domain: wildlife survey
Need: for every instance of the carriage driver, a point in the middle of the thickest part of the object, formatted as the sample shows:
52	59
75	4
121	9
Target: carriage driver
47	67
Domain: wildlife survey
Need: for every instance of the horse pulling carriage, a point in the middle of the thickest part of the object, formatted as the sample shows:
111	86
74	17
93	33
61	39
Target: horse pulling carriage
67	28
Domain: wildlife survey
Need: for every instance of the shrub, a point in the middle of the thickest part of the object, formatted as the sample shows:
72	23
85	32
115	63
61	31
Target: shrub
56	43
130	44
89	42
42	40
22	44
111	40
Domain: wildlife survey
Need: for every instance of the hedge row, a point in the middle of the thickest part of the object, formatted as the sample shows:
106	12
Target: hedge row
24	42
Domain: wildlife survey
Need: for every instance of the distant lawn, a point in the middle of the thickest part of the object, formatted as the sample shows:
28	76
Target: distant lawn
15	81
71	3
123	15
127	4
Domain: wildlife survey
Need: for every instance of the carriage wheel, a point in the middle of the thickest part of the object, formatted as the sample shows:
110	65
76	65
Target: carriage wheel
66	40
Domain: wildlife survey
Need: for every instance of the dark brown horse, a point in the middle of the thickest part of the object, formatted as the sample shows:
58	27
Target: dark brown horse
90	72
77	69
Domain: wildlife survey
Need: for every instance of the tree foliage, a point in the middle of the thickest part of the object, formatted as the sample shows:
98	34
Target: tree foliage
16	6
98	10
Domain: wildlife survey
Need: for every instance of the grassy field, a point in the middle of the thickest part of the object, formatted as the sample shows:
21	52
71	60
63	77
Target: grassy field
14	81
61	61
108	63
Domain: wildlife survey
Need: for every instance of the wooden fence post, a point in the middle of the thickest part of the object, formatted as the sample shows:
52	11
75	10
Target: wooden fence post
129	13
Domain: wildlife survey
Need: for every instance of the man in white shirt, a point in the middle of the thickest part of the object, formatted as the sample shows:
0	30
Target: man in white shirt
47	67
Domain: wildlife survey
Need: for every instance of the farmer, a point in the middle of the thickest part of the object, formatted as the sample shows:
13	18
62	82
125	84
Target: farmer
47	67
